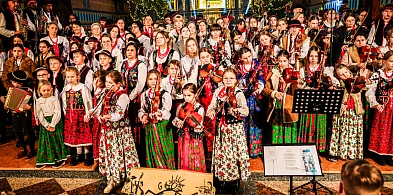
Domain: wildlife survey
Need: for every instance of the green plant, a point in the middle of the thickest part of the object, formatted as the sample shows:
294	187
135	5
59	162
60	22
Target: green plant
140	8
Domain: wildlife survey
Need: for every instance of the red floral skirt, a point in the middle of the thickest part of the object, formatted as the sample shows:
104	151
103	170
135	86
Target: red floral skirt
381	138
76	131
96	133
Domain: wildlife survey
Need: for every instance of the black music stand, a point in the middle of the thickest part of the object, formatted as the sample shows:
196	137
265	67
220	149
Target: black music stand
316	102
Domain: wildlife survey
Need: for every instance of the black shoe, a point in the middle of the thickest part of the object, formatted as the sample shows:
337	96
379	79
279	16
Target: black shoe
89	159
74	160
21	154
31	155
380	160
332	159
389	160
222	188
40	166
81	157
58	164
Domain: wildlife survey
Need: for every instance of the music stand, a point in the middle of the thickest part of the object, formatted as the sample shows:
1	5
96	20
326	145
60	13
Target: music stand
316	102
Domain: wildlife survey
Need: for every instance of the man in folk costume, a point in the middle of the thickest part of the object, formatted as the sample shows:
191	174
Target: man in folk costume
295	43
9	24
381	27
49	16
148	26
94	46
31	15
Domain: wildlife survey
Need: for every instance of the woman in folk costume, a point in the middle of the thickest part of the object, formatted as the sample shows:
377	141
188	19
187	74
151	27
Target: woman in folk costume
347	131
60	44
117	148
45	52
191	62
155	110
117	42
191	154
252	83
220	47
163	54
296	43
230	162
210	83
308	129
280	93
380	97
122	33
134	72
266	52
180	45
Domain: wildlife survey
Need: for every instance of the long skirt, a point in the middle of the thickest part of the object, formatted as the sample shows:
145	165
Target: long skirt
347	136
283	132
76	131
159	146
96	134
312	126
191	155
209	125
381	138
51	147
230	157
253	133
117	152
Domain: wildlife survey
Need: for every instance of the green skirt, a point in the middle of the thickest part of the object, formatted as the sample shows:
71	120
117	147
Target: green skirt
283	133
51	147
311	124
160	152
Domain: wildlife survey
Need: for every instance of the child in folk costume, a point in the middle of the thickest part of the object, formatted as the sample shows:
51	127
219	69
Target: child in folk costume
191	154
45	52
60	44
380	97
56	65
307	127
85	72
220	47
51	149
155	109
230	157
98	98
210	84
160	57
252	84
77	102
134	72
280	94
22	120
106	60
191	62
106	43
347	131
117	148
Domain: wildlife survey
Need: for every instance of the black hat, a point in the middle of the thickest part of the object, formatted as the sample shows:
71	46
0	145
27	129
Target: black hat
18	76
54	57
295	23
38	69
294	6
76	23
48	2
92	39
82	52
104	52
387	6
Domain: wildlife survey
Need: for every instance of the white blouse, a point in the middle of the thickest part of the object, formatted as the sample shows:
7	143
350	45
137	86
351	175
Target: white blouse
190	68
166	105
86	96
48	107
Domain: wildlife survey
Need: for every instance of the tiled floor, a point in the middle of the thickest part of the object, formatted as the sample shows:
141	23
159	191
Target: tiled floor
40	184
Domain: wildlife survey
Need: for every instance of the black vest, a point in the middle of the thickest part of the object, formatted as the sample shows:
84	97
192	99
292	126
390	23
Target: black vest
83	73
9	20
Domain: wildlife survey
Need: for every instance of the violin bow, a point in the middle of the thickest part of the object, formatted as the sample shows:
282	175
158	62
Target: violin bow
360	25
101	101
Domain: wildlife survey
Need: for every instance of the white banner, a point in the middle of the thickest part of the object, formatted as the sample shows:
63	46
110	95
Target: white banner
212	4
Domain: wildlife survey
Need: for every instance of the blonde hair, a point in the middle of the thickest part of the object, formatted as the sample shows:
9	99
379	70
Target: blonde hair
42	83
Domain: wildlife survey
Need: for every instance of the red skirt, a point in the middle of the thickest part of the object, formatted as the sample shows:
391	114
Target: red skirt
96	132
76	131
208	124
381	138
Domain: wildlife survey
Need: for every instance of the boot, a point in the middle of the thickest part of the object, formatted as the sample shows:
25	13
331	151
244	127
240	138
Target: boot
389	160
88	159
380	160
74	160
81	158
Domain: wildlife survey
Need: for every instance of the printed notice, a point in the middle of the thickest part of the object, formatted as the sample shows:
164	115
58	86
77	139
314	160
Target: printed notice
292	160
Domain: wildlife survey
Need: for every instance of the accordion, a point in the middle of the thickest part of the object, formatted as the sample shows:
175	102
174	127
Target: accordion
16	99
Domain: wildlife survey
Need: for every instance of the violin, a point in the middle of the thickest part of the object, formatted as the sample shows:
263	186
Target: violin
232	100
356	85
368	52
290	75
211	71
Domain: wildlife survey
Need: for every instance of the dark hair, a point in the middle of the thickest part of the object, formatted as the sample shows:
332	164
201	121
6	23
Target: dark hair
243	50
388	55
359	176
231	70
130	33
18	36
118	34
76	23
20	46
139	24
313	48
191	87
240	21
349	14
106	35
205	49
75	43
135	43
115	75
215	27
234	33
174	62
360	34
283	53
103	19
46	43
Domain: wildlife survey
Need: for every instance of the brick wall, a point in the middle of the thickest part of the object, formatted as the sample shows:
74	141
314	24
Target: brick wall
97	5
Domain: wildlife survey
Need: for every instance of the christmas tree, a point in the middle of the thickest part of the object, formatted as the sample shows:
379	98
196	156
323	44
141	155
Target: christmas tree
140	8
272	7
